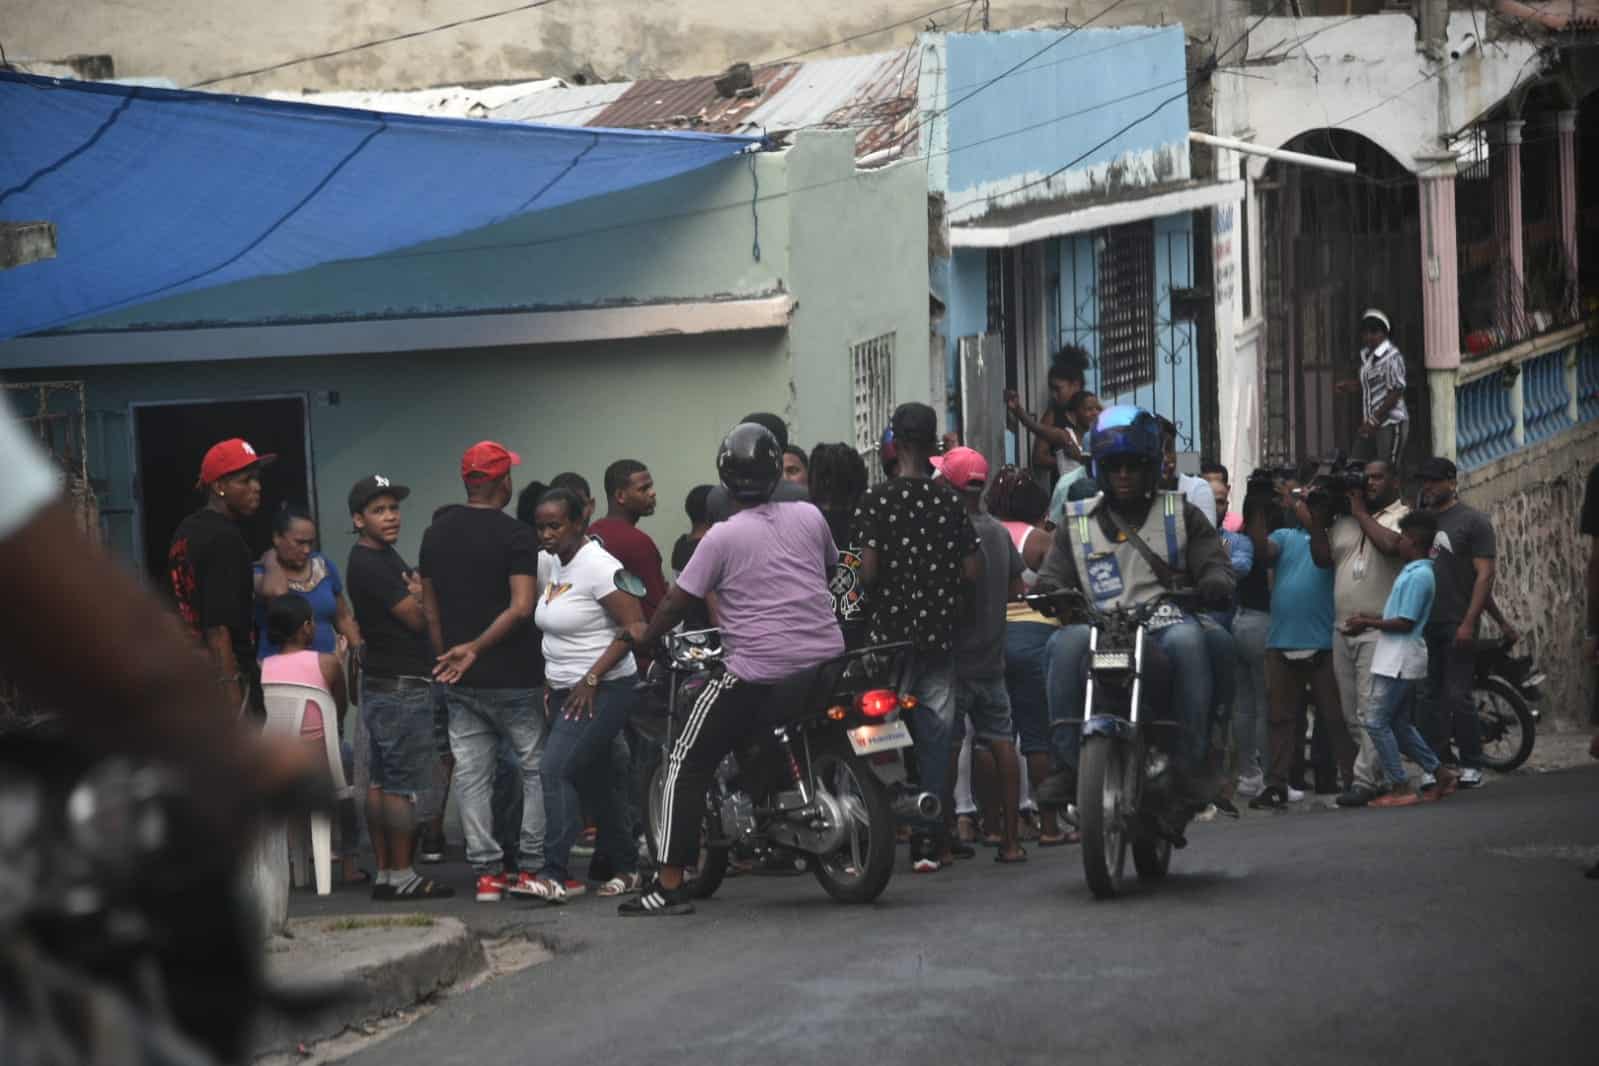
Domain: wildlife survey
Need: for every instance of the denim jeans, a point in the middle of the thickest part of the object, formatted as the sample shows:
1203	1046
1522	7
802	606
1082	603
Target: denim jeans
1222	648
1391	729
577	771
1187	673
479	718
1250	628
1352	670
1024	678
399	727
932	726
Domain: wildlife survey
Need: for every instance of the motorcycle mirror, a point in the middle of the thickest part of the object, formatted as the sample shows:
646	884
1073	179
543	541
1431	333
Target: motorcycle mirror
631	584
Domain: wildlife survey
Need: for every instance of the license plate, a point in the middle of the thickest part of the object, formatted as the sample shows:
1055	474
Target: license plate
1113	660
868	739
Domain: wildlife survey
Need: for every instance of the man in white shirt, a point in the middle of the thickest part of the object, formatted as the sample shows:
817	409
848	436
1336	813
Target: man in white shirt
1196	490
1385	423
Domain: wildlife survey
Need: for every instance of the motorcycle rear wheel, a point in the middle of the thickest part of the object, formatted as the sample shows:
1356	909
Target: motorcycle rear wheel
860	869
1101	785
707	875
1508	729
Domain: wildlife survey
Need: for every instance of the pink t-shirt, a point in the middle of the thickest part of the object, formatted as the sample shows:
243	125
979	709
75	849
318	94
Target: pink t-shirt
769	567
299	668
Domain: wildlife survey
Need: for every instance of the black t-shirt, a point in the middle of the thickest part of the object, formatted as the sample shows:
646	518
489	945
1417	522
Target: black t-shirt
375	581
469	554
1590	505
209	566
921	534
1465	535
683	551
845	585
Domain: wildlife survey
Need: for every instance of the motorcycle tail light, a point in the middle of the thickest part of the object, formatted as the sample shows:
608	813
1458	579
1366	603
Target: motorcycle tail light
907	702
878	703
836	714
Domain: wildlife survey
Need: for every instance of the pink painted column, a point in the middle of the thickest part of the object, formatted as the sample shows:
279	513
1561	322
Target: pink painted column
1566	125
1511	268
1440	278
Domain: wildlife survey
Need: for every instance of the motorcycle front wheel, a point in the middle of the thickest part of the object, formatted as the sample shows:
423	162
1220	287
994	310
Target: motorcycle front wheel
708	873
1101	801
1151	858
860	868
1506	722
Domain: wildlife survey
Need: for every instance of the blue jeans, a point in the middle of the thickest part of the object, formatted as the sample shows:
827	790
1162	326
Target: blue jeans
1187	664
1250	629
1024	678
577	769
399	729
1223	651
1391	729
984	701
932	726
479	718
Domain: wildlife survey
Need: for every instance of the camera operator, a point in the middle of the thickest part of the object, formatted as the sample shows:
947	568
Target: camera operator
1299	642
1366	562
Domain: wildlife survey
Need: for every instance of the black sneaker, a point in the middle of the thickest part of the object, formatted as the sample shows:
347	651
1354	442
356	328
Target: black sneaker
654	901
1358	796
1272	798
429	847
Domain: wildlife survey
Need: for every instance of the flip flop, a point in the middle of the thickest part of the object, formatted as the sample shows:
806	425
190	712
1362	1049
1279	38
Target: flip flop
999	856
1069	837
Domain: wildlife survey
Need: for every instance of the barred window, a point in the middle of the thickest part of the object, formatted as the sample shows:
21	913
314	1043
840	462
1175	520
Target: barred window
1126	270
872	370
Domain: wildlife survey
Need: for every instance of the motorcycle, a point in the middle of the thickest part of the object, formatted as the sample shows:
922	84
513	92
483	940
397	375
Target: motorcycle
823	781
125	935
1127	796
1506	694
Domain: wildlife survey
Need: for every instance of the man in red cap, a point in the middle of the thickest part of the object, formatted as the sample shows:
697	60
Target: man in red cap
479	570
209	565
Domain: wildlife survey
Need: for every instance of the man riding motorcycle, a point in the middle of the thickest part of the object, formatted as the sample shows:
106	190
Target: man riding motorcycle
1128	545
769	566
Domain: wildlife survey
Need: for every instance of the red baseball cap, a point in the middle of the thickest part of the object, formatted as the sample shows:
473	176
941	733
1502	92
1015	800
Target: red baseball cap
229	457
964	468
488	459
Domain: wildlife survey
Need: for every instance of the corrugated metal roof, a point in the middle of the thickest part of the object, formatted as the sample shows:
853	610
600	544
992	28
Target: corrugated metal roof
573	106
692	103
451	100
876	95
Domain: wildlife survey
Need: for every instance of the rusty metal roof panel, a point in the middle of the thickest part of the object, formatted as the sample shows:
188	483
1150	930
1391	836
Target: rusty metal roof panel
692	103
876	95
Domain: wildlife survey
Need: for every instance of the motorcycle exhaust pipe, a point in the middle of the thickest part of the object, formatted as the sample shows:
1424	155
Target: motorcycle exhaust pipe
918	805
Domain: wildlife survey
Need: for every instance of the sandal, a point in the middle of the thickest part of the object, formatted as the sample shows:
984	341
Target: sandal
546	888
1056	841
421	888
999	856
623	885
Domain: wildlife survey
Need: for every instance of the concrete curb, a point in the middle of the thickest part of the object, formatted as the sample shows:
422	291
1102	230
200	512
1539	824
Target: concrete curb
395	962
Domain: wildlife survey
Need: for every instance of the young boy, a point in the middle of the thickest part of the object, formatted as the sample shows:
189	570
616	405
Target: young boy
1399	660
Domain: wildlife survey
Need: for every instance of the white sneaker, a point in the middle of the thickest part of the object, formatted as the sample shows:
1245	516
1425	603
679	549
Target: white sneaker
1470	778
1294	795
1428	781
1251	785
1206	815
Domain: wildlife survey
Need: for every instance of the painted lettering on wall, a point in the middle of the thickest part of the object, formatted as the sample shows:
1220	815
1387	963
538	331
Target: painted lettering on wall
1226	264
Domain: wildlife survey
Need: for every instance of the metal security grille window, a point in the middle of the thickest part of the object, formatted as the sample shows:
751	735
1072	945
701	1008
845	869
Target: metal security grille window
1126	269
872	369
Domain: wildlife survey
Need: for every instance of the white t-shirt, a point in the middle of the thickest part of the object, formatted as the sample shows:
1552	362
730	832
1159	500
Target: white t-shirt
576	628
1197	491
28	482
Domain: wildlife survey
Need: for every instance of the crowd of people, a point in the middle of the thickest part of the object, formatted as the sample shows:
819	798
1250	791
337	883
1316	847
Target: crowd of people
509	655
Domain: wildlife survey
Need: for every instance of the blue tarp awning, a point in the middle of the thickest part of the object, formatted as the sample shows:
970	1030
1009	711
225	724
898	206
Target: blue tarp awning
155	192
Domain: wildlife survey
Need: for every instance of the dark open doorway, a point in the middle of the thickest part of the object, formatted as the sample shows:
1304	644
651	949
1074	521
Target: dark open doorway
170	441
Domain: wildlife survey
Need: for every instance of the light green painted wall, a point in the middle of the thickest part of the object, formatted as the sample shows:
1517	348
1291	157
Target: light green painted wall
688	238
858	249
665	401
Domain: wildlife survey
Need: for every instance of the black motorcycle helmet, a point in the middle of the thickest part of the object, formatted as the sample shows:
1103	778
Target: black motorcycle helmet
750	463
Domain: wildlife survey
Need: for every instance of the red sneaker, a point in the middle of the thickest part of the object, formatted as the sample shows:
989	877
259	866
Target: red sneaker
574	887
1396	798
491	888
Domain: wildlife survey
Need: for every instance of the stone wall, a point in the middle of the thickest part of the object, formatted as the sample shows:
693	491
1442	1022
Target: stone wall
1534	497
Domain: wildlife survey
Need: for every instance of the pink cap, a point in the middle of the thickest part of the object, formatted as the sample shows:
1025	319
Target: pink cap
964	468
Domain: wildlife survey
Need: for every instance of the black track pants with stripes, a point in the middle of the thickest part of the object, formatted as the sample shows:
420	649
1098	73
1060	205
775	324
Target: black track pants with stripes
719	720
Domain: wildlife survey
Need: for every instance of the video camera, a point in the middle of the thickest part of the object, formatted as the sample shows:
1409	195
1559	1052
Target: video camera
1336	477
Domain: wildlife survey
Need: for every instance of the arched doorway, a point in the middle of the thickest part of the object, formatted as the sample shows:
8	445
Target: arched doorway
1333	245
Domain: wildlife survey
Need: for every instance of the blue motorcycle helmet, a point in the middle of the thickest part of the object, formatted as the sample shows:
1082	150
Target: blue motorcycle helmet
1125	430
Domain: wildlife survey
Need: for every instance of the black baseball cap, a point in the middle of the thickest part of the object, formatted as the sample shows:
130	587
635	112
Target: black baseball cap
370	488
1436	468
915	423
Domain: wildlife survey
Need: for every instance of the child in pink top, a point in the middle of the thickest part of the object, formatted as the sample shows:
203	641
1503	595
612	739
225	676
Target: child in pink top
291	625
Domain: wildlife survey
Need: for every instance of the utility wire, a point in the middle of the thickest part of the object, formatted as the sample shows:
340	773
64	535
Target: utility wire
485	17
867	33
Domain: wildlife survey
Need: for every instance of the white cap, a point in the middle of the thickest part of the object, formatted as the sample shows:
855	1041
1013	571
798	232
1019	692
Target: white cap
1372	312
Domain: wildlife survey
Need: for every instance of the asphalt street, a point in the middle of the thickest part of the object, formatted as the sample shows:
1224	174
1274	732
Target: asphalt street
1460	932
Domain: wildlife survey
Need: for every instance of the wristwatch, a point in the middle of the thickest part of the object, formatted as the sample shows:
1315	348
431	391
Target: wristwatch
591	681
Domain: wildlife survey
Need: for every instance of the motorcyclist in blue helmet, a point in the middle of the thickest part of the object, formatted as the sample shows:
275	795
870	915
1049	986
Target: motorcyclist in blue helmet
1126	452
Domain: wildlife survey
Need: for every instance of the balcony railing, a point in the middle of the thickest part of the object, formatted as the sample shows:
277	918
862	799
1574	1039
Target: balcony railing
1526	394
1485	425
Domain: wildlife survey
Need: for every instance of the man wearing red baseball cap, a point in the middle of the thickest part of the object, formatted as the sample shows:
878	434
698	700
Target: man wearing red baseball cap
479	568
209	565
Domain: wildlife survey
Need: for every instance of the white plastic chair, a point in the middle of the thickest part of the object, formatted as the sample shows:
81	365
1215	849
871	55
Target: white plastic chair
285	714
